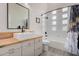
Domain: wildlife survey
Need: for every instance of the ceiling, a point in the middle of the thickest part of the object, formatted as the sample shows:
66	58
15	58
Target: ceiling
52	6
45	7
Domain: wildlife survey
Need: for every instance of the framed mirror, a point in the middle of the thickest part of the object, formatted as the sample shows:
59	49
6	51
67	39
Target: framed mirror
17	16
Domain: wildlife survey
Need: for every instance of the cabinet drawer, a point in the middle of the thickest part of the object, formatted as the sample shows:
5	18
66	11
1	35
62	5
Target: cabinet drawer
28	43
7	49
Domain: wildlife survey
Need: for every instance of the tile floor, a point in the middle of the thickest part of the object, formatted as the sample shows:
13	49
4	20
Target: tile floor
55	52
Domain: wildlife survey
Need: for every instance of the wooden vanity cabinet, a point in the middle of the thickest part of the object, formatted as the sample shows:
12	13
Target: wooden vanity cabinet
27	48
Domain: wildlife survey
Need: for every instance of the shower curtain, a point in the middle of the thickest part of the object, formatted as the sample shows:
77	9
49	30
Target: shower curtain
71	42
73	32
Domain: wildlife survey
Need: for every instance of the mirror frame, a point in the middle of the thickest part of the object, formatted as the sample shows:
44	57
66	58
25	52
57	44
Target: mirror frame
8	16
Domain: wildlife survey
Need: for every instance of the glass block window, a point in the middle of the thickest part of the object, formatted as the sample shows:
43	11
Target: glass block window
65	21
65	15
64	28
54	18
54	23
54	12
65	9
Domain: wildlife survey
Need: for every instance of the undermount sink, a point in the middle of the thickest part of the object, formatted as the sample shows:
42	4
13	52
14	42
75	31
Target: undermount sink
24	35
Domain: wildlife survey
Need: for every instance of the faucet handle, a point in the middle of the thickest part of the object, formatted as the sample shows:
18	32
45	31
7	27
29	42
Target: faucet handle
22	29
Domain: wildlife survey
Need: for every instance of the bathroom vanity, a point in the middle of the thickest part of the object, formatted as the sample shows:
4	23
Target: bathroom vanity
28	47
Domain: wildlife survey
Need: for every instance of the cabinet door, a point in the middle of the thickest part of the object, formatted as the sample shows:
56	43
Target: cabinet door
12	50
38	43
38	51
28	48
38	46
15	50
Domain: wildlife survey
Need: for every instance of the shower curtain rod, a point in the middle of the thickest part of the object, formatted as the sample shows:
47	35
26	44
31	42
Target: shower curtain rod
57	9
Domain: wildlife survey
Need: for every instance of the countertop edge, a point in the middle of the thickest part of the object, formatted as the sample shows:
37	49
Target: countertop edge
19	41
